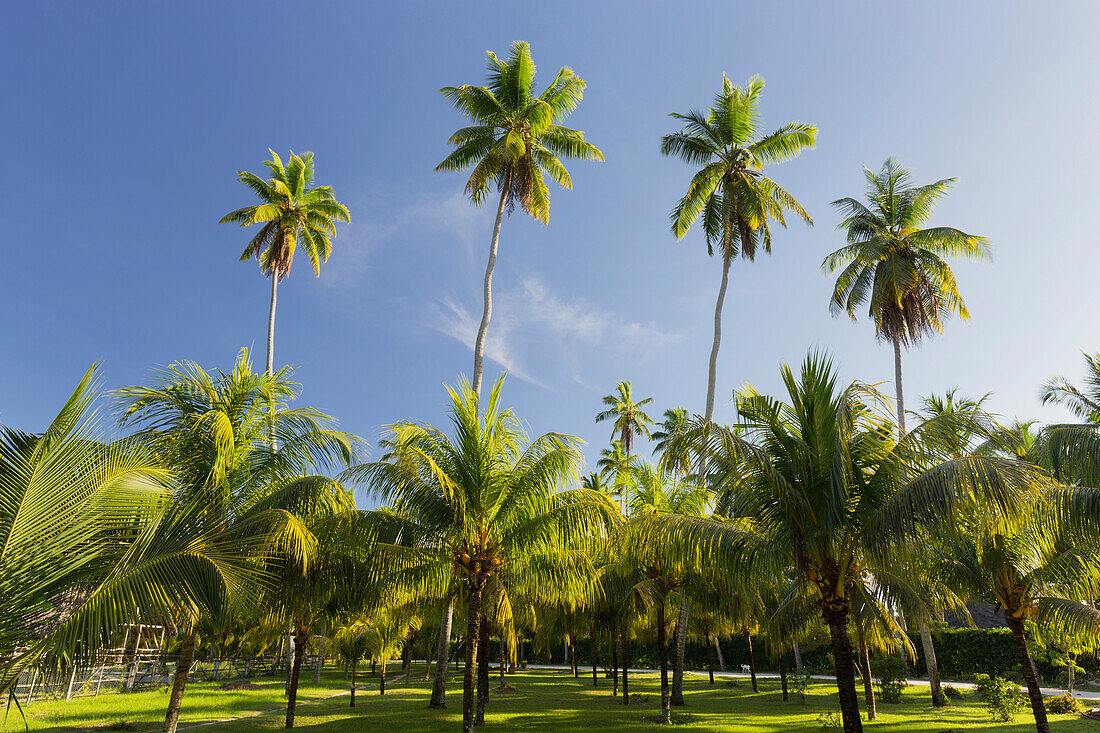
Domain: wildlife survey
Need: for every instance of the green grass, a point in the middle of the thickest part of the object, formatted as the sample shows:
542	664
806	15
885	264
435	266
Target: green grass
545	701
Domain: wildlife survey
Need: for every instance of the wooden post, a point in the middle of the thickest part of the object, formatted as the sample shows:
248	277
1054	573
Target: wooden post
69	687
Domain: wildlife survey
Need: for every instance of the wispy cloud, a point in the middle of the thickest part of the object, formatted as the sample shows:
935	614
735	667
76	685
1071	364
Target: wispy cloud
458	322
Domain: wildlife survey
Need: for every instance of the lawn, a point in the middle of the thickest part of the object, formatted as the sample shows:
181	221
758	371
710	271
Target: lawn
542	700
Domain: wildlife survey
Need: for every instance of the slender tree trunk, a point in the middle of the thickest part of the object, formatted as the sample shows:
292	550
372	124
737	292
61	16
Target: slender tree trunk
502	655
752	662
721	657
712	374
473	631
382	676
320	653
289	648
931	664
573	656
614	664
595	657
407	665
271	354
352	692
680	640
710	657
662	653
865	673
486	313
443	650
522	661
299	652
1016	625
626	667
836	618
783	674
1071	662
898	387
482	674
797	657
179	682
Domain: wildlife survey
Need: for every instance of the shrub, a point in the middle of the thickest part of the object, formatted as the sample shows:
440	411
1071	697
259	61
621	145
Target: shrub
829	721
1064	704
891	674
798	683
1003	698
953	693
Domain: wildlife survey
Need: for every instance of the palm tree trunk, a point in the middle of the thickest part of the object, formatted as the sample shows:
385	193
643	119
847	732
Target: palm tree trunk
678	657
836	617
443	650
299	652
662	653
573	656
352	703
626	666
898	387
503	650
320	653
486	313
721	657
932	665
482	674
712	374
382	676
179	682
797	657
710	657
865	673
289	651
614	665
752	662
1016	625
595	657
783	674
271	353
473	631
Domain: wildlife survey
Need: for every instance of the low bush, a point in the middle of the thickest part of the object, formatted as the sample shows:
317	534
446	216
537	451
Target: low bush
952	693
891	678
1064	704
1003	698
798	683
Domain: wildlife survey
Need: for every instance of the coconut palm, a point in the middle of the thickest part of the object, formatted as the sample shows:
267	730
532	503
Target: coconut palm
481	504
672	426
628	419
822	489
212	429
615	462
291	211
736	200
90	536
1084	402
352	643
515	141
894	263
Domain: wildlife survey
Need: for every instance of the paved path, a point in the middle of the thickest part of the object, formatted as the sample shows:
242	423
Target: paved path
1082	694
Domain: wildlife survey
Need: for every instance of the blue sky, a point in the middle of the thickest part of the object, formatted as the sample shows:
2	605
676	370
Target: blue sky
125	123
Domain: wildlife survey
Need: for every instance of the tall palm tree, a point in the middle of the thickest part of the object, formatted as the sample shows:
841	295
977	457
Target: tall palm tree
627	417
212	429
479	505
291	210
822	489
515	140
90	536
1083	402
736	200
895	264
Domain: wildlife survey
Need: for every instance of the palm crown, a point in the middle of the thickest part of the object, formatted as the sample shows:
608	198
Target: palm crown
893	263
515	139
628	417
731	192
290	210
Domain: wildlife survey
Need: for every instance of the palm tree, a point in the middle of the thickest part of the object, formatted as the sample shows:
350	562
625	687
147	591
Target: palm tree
514	141
894	264
352	643
735	198
91	536
1084	403
627	417
213	430
291	210
821	489
672	426
616	462
481	505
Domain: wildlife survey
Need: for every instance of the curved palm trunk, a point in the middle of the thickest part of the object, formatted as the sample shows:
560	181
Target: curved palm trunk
482	674
797	657
662	652
352	693
271	352
680	640
473	632
752	662
712	374
865	673
442	652
836	617
1035	695
721	657
179	683
487	311
299	652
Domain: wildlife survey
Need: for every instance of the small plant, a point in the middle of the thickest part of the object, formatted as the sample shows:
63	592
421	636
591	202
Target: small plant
1064	704
1003	697
891	678
829	721
952	693
798	683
